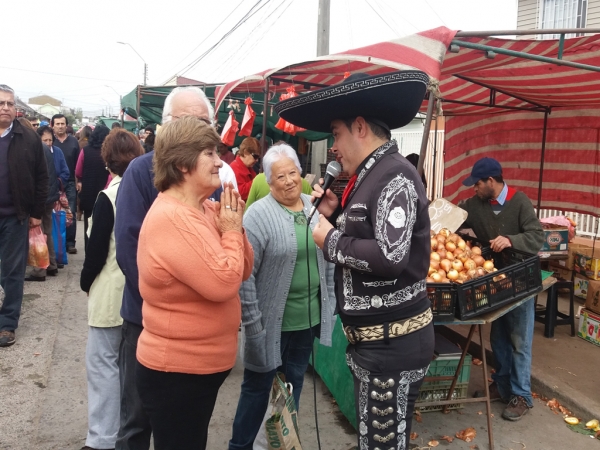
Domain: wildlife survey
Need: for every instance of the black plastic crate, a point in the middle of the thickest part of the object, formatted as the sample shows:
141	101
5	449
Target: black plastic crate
443	299
522	278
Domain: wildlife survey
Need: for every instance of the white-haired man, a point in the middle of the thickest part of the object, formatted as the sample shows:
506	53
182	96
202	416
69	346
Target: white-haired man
23	192
136	195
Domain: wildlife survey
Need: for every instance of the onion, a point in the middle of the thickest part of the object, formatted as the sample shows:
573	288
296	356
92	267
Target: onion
463	257
453	275
429	280
476	250
445	280
442	272
431	234
488	266
450	246
470	264
453	238
480	272
444	232
442	253
434	264
446	264
434	256
461	244
457	265
440	246
436	277
450	256
434	243
462	277
472	273
479	260
431	270
441	238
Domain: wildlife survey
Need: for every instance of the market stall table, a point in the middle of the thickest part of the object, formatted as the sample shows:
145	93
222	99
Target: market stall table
338	380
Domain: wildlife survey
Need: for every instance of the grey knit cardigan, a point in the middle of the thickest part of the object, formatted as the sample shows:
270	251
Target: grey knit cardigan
271	232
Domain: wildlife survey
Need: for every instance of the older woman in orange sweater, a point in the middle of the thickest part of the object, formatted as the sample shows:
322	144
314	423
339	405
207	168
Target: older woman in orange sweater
193	255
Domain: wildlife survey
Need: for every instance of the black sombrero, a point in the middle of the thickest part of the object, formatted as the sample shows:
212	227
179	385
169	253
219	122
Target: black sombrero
392	98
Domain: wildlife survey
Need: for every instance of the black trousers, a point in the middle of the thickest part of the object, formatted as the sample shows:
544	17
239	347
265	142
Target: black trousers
179	406
387	378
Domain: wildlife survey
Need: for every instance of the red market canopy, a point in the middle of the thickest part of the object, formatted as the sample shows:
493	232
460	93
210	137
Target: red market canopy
514	83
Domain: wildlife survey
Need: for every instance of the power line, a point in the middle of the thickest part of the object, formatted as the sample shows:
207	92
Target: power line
265	26
248	15
64	75
435	12
384	21
401	16
208	35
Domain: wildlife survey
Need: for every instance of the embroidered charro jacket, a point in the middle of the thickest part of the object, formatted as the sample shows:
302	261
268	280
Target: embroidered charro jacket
381	242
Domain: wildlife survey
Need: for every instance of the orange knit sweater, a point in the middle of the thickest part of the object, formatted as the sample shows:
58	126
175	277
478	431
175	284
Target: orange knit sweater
189	279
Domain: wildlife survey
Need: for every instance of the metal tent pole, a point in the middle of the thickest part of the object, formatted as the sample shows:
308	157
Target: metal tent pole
432	181
526	32
539	199
263	137
427	129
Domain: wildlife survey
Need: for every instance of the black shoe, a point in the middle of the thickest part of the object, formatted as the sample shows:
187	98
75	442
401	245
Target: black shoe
52	272
32	278
516	409
60	266
72	250
7	338
494	394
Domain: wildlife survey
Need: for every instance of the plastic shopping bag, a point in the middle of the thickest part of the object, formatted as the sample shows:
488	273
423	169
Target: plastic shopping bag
281	426
59	236
62	204
38	250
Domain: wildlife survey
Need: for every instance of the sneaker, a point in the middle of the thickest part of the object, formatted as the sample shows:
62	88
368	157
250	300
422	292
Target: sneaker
494	394
72	250
7	338
34	278
60	266
52	272
517	408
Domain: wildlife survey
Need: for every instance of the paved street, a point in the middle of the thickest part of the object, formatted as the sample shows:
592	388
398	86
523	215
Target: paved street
44	400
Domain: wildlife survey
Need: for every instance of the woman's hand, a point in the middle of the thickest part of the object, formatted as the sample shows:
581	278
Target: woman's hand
231	210
329	202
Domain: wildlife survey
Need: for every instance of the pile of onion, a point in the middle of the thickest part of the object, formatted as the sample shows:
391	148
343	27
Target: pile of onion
453	259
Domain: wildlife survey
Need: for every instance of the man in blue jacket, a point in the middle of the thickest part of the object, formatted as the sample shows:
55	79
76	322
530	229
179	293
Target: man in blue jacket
23	193
136	195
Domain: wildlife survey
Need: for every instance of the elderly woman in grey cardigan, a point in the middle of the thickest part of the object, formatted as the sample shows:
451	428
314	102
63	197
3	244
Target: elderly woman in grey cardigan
280	316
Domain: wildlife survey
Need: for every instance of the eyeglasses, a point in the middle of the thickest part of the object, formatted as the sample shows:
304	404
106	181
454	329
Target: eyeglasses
255	156
7	104
35	125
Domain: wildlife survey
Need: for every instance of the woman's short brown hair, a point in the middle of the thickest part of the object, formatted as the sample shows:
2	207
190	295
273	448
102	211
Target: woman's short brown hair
118	149
177	148
249	145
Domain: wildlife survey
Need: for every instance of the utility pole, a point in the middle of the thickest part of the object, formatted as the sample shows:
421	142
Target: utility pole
145	74
323	28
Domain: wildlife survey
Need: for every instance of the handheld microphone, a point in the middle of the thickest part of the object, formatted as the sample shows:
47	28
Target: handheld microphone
333	170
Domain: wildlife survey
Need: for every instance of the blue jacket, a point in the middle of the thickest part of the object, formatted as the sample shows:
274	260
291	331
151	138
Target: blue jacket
136	195
60	164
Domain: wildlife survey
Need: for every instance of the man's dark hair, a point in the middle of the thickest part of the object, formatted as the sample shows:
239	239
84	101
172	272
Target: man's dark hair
149	129
58	116
44	129
31	118
377	130
115	125
497	178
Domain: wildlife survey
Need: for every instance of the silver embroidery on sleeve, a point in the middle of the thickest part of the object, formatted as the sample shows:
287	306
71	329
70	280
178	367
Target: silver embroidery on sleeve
402	221
406	379
358	206
363	395
357	218
357	264
379	283
332	244
354	302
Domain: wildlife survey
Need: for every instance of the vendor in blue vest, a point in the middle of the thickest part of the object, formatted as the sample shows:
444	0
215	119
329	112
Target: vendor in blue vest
505	217
380	245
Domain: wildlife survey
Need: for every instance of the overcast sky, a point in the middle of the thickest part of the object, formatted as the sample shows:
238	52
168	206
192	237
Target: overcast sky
68	49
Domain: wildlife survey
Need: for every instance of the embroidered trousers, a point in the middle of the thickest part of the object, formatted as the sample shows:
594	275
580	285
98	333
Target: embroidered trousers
387	378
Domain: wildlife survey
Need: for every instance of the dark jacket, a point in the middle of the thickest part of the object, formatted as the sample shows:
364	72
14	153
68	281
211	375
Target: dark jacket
381	244
94	178
52	178
28	172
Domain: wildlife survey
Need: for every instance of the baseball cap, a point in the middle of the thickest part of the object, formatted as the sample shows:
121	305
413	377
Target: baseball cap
484	168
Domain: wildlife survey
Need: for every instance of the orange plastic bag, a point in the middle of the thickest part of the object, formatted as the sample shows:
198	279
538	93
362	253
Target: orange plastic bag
231	127
38	249
248	121
284	125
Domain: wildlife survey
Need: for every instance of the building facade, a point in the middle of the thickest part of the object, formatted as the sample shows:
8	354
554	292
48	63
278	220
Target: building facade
546	14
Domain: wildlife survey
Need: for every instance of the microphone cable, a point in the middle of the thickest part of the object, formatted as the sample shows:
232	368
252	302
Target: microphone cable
312	340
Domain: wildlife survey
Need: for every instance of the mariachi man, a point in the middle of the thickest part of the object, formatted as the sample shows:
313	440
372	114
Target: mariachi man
380	245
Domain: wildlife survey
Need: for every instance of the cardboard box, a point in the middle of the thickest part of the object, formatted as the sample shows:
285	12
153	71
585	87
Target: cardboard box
589	327
444	214
570	261
592	301
561	272
580	287
587	262
556	241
